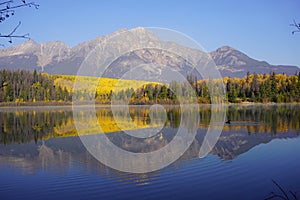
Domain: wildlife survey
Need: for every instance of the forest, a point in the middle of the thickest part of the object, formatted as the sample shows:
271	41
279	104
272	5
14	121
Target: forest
264	88
257	88
26	86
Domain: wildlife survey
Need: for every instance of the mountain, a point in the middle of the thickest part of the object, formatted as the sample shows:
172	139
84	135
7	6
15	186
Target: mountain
52	57
234	63
58	58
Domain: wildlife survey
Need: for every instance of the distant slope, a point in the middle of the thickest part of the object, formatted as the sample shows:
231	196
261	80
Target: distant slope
104	85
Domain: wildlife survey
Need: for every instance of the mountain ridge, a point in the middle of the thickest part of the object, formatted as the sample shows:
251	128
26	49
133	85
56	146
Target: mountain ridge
56	57
229	60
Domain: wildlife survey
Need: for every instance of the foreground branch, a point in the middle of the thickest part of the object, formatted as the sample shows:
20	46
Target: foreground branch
284	195
7	10
11	34
297	26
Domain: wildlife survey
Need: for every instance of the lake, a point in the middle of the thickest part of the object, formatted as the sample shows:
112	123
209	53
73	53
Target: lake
42	156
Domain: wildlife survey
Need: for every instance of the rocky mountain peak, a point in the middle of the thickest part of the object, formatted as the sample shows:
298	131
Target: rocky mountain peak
26	47
29	42
224	49
225	52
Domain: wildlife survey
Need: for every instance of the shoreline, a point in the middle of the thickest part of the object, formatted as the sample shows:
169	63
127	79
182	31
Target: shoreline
38	104
70	104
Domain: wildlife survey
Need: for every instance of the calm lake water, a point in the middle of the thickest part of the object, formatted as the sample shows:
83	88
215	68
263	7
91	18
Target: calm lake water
41	156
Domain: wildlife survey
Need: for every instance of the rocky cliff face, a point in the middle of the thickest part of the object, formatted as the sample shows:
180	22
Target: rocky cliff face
58	58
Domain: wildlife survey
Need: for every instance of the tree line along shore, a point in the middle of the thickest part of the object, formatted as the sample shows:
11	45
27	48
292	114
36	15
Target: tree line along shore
21	87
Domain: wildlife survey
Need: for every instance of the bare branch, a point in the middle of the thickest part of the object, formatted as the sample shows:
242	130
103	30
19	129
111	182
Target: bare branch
13	31
284	195
293	32
23	5
297	25
280	188
275	196
7	10
11	35
294	195
6	2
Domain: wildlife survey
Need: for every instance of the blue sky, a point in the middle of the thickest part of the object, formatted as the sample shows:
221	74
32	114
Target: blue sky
258	28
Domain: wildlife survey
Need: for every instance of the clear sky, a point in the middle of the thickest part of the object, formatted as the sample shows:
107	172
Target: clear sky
256	27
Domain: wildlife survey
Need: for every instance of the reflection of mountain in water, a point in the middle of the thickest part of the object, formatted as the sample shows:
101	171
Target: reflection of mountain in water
230	145
31	126
60	153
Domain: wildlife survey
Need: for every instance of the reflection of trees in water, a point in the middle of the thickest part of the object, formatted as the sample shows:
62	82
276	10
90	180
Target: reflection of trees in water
270	118
26	126
33	125
59	153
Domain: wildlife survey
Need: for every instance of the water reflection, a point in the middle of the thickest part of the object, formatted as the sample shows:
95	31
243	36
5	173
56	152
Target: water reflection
46	138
